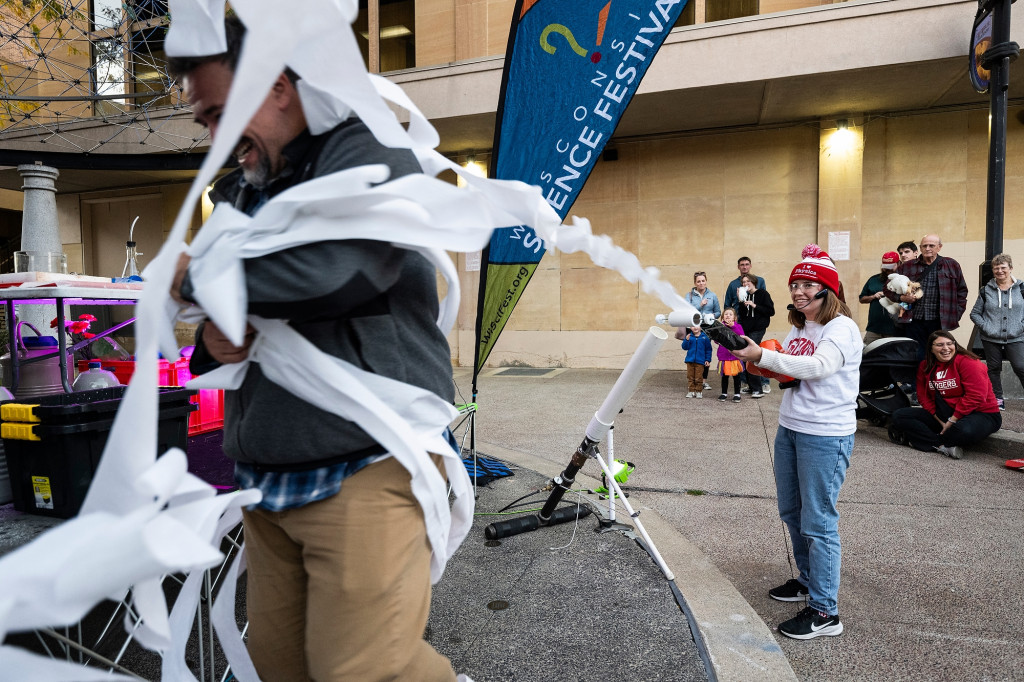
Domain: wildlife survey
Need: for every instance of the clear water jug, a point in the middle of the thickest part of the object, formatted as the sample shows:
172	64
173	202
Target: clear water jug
95	377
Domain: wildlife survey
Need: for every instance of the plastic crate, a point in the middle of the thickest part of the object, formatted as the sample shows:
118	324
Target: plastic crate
52	459
170	372
210	414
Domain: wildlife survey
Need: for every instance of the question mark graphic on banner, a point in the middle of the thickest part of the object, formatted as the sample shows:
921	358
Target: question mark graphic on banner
565	33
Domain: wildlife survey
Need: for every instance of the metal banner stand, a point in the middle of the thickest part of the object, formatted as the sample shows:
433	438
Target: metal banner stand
467	412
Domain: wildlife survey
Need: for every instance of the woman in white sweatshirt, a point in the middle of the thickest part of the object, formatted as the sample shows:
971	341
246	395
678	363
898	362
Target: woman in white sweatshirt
817	422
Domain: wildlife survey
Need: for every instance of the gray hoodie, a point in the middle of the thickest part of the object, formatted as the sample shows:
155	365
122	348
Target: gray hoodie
1000	314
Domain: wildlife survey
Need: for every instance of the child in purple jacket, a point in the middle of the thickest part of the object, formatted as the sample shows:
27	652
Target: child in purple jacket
728	365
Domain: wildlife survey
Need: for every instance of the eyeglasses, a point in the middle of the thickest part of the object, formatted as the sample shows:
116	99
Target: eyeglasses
930	246
806	286
946	344
700	274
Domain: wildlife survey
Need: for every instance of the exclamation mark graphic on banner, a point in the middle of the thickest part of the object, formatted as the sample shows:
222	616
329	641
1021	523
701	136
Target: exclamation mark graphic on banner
602	20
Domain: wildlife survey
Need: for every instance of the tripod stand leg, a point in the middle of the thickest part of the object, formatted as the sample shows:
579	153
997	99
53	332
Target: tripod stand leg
609	524
616	490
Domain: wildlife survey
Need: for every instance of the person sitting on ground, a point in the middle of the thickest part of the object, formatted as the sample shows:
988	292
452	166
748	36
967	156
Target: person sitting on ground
958	406
999	314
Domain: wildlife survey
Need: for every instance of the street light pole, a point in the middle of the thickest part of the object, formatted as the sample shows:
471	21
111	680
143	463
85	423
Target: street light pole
997	58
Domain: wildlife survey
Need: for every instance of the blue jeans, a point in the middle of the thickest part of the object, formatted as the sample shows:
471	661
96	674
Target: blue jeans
809	470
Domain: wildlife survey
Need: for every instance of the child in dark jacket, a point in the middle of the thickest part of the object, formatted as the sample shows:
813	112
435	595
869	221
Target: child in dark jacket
698	356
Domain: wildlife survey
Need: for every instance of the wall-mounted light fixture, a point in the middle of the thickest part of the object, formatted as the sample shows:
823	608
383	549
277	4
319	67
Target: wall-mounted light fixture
206	203
843	138
473	166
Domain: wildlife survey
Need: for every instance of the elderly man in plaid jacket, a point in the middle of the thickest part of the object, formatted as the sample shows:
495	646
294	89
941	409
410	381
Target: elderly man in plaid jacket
945	292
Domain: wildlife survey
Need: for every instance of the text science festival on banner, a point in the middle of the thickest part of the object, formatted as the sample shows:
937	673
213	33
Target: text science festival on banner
570	71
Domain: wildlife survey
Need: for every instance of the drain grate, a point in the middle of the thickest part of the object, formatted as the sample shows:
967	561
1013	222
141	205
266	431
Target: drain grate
525	371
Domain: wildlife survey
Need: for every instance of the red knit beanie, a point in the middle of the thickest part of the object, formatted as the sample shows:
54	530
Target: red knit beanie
816	266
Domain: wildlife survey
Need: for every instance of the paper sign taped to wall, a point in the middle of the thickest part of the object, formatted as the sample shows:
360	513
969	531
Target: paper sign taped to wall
839	245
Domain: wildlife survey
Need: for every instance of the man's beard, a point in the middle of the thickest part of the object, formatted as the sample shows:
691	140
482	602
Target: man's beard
260	176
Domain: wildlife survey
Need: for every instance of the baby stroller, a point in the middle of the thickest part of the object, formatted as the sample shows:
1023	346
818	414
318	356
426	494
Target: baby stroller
888	373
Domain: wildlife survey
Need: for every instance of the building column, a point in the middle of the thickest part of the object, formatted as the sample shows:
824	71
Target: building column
39	228
40	231
840	198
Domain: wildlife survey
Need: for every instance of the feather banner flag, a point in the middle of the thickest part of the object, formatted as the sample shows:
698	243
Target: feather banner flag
571	69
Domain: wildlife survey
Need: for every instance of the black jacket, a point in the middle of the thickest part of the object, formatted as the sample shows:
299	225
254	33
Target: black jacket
756	318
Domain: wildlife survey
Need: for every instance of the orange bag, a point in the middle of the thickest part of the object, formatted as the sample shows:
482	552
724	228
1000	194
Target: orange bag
770	344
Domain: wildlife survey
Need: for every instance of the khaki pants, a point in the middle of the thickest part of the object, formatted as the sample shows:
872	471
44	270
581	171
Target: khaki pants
340	589
695	377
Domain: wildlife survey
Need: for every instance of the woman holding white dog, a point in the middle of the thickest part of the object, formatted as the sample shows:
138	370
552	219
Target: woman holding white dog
817	422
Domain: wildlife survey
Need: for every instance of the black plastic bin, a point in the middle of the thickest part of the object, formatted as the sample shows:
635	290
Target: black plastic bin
54	444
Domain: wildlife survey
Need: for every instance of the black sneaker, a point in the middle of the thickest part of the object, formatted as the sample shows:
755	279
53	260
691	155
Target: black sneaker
757	394
793	590
736	398
811	623
723	397
746	389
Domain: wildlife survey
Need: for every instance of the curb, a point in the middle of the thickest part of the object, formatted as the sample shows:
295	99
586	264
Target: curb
740	645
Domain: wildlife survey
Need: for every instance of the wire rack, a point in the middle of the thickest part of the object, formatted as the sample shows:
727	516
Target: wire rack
89	76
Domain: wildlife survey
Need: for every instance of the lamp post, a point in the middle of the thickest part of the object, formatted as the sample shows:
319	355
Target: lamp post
997	58
989	69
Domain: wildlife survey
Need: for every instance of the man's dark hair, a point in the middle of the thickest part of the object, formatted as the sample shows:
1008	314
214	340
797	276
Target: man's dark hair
234	31
907	245
743	258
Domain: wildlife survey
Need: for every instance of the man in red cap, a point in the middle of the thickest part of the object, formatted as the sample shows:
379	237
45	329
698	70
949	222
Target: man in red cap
880	324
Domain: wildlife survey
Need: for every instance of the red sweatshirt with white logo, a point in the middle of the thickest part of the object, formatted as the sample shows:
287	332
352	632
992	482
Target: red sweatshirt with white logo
963	383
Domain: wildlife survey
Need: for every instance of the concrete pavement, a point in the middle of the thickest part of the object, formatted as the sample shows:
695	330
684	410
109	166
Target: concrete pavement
932	550
932	546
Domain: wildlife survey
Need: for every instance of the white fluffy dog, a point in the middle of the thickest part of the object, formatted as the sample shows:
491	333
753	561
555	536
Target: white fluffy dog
900	284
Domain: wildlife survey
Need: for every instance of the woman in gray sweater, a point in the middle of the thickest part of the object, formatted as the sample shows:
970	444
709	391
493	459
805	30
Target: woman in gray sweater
999	314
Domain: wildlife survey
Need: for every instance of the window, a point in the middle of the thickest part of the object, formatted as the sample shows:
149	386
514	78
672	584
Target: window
107	71
386	33
128	55
688	16
720	10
